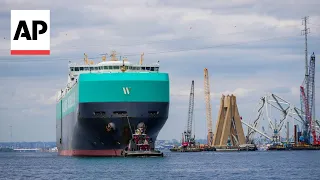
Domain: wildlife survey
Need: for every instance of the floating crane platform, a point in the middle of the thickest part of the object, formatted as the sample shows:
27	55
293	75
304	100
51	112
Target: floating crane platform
242	147
227	149
188	143
292	148
185	150
248	147
209	149
192	149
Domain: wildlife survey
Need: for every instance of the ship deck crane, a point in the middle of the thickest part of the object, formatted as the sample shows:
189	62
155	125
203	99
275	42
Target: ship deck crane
208	107
187	139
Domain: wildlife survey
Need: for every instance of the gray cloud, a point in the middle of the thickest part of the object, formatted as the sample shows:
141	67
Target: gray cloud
229	38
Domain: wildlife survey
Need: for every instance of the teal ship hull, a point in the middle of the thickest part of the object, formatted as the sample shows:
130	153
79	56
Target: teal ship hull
99	113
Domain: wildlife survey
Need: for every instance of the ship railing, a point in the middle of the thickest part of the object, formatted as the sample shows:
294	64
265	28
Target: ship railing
70	85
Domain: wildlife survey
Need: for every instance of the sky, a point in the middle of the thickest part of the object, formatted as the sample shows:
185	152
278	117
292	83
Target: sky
249	47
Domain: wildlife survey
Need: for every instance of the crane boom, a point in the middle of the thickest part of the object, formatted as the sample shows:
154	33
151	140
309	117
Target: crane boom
307	103
187	139
208	106
312	99
305	106
191	108
311	87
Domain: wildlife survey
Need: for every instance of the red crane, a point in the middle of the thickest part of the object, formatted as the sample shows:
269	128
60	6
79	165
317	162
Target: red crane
307	103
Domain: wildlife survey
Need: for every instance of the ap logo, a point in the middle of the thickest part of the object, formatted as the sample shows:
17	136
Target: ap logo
30	32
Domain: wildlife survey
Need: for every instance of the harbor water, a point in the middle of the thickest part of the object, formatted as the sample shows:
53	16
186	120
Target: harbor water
197	165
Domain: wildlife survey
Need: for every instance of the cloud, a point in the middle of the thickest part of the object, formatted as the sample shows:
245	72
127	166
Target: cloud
27	104
28	94
239	92
295	91
249	47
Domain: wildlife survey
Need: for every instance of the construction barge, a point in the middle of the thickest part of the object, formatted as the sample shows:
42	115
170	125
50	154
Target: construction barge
188	143
185	149
242	147
293	147
190	148
301	143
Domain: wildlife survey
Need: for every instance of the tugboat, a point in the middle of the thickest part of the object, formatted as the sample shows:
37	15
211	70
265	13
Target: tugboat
141	144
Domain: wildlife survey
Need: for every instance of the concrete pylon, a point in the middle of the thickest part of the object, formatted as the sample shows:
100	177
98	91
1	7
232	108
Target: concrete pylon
228	124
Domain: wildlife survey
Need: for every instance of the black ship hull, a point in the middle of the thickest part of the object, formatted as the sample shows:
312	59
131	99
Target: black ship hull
104	129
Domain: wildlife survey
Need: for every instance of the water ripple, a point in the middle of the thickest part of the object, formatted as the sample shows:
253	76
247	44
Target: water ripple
203	165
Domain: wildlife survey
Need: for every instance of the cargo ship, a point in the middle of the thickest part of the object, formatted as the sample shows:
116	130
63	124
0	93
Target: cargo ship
104	103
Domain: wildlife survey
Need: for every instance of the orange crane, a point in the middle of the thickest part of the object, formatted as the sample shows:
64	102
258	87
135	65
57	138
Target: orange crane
208	107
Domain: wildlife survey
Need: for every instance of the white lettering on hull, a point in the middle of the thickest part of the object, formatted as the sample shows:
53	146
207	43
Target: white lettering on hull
126	90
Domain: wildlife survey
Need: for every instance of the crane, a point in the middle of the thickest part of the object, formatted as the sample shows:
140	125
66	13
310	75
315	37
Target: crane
307	104
311	92
208	107
187	139
305	107
270	103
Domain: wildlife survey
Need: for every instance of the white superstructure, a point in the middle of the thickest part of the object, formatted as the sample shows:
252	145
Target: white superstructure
112	66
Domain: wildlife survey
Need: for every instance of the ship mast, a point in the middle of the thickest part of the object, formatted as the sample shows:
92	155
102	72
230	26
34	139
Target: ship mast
113	56
85	58
141	58
86	61
104	58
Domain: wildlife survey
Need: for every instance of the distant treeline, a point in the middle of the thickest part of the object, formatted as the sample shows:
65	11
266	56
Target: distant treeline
6	150
27	144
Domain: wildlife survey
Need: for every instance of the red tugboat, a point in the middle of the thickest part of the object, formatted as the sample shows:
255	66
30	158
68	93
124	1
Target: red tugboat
141	145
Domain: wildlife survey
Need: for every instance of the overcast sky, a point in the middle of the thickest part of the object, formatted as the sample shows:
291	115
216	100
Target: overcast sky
249	47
